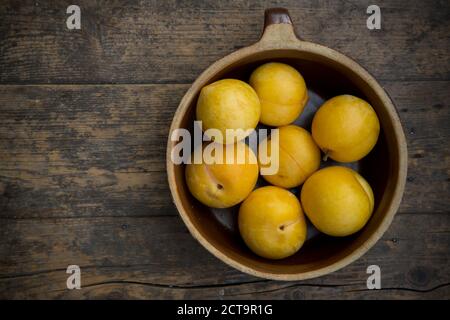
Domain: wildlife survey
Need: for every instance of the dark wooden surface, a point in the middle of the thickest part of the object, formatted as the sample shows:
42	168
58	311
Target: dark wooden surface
84	118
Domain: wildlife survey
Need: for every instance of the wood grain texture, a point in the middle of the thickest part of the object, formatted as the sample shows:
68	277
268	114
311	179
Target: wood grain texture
173	41
84	151
152	258
82	175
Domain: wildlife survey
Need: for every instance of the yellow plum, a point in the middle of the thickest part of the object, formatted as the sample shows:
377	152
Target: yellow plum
272	223
299	157
282	92
223	184
228	104
337	200
346	128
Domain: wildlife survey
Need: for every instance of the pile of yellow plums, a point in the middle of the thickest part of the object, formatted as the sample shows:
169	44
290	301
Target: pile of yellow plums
336	199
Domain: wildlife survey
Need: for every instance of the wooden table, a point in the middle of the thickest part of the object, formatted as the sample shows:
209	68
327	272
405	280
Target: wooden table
84	120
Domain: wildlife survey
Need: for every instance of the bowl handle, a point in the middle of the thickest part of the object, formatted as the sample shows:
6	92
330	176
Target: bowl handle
278	28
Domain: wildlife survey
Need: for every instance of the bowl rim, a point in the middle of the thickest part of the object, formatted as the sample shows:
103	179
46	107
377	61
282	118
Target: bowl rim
337	58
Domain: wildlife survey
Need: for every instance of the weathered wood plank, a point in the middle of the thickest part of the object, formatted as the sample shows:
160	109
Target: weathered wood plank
173	41
86	150
157	258
71	151
425	114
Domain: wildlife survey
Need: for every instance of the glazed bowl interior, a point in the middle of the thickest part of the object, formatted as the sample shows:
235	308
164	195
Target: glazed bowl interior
325	78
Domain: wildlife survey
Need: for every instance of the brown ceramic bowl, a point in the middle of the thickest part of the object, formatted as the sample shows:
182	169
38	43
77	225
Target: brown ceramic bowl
327	73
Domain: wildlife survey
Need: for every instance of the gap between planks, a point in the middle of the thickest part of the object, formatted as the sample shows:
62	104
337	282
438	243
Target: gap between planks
182	82
158	216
